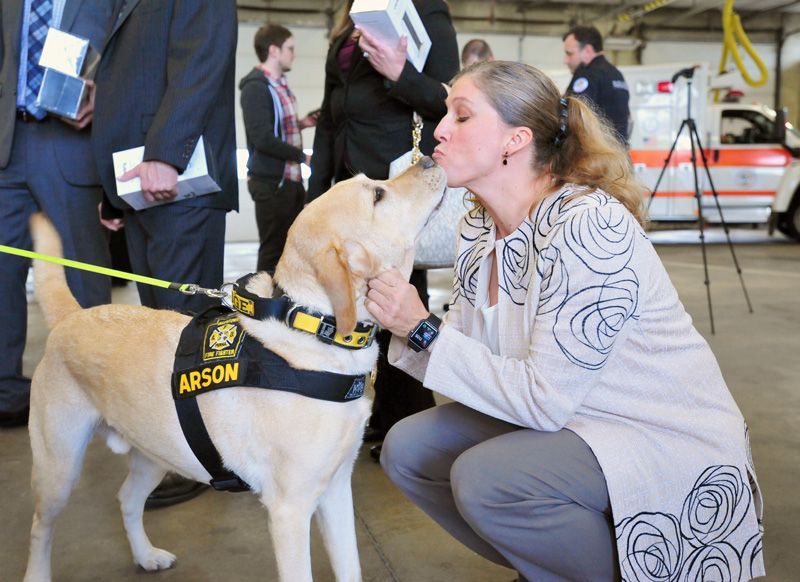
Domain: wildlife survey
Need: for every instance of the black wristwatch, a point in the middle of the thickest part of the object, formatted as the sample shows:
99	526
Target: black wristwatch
424	333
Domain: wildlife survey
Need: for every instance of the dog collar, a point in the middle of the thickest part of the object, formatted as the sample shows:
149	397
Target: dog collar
299	317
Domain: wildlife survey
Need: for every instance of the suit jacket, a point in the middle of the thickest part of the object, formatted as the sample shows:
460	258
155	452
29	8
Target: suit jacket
165	79
369	117
89	19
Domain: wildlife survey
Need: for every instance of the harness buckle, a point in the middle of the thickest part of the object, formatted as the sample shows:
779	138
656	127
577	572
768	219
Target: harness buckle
326	332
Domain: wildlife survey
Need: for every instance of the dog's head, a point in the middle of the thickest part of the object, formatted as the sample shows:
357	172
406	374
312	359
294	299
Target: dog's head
353	232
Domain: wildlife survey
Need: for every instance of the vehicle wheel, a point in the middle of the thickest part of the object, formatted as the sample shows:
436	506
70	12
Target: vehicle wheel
789	221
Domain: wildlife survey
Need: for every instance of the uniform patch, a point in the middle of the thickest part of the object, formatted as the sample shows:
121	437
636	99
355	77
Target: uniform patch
223	339
619	84
580	85
356	390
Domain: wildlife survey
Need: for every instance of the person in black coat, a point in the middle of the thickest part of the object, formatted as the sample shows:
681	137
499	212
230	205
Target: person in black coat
371	92
596	80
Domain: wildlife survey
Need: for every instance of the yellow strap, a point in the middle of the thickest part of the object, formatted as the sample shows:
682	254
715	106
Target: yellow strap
310	323
94	268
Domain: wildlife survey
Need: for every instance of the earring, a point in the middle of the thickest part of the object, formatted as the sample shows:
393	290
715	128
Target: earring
505	159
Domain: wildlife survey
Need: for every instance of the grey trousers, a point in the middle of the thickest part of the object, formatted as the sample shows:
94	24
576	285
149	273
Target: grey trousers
533	501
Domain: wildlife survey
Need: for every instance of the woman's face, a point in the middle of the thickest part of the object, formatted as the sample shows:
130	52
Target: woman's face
472	137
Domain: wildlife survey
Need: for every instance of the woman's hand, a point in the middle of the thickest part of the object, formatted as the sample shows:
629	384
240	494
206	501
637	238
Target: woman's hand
395	303
387	60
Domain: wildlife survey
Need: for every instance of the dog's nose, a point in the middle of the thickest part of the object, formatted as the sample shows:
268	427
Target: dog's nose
427	163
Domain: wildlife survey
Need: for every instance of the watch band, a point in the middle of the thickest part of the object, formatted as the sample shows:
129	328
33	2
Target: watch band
424	333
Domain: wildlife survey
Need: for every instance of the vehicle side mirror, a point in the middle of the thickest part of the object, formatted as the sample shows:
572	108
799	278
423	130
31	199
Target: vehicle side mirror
780	125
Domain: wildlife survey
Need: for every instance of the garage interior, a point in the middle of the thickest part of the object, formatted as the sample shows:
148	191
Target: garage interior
225	536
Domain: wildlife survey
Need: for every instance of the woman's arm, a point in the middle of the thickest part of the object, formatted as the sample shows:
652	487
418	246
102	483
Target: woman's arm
587	303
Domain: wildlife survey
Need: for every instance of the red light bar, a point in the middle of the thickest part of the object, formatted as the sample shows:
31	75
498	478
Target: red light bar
664	87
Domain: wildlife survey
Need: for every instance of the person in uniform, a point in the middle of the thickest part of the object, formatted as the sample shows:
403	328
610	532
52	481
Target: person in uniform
595	79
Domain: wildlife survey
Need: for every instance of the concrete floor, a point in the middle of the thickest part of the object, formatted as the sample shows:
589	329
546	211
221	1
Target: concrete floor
224	536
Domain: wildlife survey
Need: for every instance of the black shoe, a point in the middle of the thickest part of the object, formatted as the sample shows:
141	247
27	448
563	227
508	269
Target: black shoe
174	489
375	452
14	419
373	435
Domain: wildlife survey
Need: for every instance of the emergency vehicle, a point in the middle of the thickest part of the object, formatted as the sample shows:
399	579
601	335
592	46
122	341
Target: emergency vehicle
752	153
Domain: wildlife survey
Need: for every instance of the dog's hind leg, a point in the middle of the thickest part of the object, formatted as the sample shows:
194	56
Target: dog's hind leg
143	476
290	529
61	424
337	524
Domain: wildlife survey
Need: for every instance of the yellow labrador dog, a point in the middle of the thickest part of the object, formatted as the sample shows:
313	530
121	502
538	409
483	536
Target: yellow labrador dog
108	369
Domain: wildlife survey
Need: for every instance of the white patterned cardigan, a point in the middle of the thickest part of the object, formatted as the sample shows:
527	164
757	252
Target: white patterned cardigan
593	338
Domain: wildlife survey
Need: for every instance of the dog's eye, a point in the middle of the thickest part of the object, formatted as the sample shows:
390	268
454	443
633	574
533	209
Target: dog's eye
379	192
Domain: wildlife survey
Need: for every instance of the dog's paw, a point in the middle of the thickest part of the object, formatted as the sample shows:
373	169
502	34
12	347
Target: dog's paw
156	560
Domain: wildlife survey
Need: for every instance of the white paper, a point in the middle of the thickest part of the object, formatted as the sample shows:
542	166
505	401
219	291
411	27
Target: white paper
194	181
391	19
64	52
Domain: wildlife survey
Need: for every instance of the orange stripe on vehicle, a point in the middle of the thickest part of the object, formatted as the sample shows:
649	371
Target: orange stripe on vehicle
690	193
727	157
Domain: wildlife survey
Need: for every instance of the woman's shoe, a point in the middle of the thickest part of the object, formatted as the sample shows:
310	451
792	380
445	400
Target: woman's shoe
174	489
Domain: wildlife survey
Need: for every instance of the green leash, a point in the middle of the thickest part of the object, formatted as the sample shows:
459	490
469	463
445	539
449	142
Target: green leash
185	288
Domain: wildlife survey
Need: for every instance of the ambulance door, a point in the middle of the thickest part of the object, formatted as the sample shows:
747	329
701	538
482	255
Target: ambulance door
746	163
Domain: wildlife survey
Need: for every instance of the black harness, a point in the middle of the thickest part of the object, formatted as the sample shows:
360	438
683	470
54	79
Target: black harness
215	352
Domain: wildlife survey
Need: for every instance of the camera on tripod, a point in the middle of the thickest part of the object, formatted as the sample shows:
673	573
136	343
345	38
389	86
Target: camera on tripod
696	147
687	72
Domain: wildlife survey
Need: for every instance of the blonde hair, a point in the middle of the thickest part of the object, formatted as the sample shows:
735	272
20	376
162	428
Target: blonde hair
586	153
343	23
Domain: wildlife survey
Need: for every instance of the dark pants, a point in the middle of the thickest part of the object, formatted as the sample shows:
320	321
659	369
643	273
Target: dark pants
277	205
398	395
180	244
533	501
32	181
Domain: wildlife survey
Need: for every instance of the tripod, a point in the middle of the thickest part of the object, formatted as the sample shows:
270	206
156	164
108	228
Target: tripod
696	145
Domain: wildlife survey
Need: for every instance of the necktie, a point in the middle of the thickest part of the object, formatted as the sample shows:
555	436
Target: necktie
41	16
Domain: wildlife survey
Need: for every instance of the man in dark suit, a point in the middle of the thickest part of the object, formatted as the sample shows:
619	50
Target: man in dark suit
166	79
46	164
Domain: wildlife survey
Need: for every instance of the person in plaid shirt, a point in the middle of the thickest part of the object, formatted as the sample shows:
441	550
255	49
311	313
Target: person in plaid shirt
274	142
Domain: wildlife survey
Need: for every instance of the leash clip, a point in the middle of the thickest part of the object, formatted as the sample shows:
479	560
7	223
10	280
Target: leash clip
194	289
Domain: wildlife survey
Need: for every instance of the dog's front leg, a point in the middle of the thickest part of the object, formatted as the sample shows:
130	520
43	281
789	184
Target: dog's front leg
337	524
290	529
143	476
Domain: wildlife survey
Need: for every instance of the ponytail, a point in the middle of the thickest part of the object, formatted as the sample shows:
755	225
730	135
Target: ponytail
589	153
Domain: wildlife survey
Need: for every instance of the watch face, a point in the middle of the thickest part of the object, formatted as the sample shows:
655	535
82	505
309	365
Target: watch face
425	333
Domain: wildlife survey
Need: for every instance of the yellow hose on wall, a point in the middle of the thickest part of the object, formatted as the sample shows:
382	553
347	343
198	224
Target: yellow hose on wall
733	31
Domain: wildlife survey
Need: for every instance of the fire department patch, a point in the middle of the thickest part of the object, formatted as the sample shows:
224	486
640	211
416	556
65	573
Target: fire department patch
223	339
580	85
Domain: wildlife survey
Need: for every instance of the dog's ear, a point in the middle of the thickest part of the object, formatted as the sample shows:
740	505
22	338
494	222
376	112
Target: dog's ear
363	264
333	273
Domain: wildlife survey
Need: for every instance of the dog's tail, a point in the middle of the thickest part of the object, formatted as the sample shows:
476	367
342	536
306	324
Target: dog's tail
50	284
